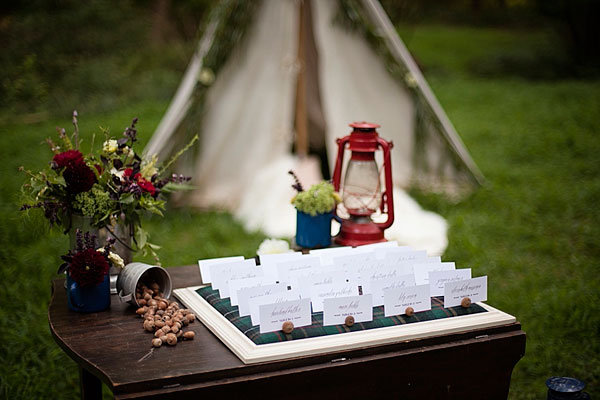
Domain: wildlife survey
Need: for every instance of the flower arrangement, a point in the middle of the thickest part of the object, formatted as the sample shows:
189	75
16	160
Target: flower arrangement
320	198
108	185
88	265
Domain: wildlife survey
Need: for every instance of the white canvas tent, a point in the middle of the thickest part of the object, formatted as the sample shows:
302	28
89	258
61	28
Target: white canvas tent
295	79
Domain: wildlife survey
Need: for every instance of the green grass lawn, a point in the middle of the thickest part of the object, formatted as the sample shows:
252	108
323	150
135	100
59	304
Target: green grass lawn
532	228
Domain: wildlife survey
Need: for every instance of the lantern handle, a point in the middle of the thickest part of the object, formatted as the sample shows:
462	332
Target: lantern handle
337	172
387	196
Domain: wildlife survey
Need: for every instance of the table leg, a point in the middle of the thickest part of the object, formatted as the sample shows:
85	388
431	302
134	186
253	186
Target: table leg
91	387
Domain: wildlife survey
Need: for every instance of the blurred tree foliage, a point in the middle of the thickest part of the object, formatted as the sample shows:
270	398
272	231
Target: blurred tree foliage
572	25
61	54
58	54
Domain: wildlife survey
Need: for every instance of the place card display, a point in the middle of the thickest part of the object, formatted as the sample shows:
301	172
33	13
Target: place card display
336	310
339	282
272	316
397	300
437	279
475	289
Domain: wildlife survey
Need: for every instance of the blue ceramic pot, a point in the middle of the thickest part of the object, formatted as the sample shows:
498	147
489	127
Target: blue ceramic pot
312	231
88	299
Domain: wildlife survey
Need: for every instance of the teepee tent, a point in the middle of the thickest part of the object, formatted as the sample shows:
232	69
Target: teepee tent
273	81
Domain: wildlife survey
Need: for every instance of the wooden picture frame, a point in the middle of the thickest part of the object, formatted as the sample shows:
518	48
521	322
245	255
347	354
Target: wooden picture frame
250	353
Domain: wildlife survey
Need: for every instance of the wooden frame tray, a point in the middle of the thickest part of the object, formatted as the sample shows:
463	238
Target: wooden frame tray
250	353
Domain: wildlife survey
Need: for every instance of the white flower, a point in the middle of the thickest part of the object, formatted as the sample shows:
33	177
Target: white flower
117	173
206	76
410	80
273	246
116	260
110	146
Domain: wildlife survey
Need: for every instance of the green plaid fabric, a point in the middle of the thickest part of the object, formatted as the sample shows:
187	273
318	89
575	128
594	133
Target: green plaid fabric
244	324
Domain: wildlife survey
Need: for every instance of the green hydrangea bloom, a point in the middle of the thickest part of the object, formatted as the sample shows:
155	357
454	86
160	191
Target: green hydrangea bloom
95	203
319	199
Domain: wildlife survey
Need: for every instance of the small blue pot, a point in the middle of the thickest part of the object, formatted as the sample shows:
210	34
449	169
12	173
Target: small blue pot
88	299
312	231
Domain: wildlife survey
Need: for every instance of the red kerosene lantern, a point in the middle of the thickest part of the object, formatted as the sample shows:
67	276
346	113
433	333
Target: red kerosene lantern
361	192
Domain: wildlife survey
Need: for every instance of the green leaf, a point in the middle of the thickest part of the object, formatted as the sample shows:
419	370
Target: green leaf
141	237
127	199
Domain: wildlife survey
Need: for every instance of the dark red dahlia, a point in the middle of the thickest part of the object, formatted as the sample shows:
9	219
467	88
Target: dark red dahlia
127	172
79	177
146	186
88	267
67	158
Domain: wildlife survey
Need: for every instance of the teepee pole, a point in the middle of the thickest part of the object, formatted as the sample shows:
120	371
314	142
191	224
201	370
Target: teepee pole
301	115
182	100
399	51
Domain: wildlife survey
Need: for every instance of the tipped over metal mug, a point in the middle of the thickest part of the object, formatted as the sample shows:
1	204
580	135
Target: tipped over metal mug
137	272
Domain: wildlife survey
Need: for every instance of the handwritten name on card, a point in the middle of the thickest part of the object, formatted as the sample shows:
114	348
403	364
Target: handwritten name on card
237	284
205	264
304	283
272	316
279	297
422	271
475	289
335	310
379	286
247	294
319	293
295	266
397	300
269	261
437	279
402	256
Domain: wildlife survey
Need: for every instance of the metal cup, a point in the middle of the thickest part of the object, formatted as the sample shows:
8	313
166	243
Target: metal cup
137	272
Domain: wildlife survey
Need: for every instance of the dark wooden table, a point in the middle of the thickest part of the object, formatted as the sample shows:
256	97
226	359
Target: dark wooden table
113	348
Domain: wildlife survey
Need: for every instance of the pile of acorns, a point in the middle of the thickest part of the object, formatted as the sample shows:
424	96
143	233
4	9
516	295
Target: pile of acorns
163	318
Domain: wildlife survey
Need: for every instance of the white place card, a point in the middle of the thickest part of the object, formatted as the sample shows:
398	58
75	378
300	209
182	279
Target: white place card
247	294
437	279
304	283
326	255
268	262
279	297
204	265
390	243
397	300
272	316
319	293
422	271
402	256
335	310
297	265
237	284
377	287
475	289
354	260
221	274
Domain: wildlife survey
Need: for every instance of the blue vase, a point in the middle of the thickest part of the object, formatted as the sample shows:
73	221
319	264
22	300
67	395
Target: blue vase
313	231
88	299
